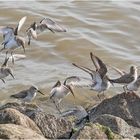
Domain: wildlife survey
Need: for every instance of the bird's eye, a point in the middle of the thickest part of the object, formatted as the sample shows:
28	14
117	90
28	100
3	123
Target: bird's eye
35	88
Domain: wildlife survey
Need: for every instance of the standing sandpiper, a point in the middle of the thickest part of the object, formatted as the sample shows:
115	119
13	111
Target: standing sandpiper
135	86
126	79
27	95
45	23
11	39
60	90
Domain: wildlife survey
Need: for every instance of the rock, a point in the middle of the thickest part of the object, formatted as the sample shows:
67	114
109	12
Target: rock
9	115
125	106
95	131
12	131
117	125
13	105
26	109
116	117
51	126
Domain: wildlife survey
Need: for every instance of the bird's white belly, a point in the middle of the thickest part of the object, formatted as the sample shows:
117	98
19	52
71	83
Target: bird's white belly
12	44
97	87
61	94
132	87
29	97
107	86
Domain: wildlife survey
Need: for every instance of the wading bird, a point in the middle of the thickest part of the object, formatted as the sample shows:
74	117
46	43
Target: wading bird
99	81
11	39
61	90
5	70
45	24
27	95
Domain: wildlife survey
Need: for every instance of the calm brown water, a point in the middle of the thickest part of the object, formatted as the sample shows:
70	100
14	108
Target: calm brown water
110	29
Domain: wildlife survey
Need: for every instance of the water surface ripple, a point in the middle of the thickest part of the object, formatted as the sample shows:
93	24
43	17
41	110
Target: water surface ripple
110	29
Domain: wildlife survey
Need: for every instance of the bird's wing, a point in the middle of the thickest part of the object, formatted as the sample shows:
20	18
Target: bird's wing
53	92
57	84
103	69
118	70
100	66
78	110
92	73
5	30
70	79
48	23
17	57
20	24
82	82
21	94
127	78
94	61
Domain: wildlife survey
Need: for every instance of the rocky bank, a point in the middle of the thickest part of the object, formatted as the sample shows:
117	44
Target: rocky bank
113	118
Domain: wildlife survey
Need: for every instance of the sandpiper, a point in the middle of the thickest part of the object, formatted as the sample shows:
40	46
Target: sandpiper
11	39
60	90
135	86
99	80
27	95
5	70
126	79
45	23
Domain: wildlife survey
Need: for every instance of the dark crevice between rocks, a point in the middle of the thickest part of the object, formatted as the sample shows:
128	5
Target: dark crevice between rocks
79	124
137	136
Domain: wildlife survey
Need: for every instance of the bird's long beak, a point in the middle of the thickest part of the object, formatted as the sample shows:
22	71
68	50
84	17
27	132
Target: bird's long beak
12	75
138	67
112	84
71	91
40	92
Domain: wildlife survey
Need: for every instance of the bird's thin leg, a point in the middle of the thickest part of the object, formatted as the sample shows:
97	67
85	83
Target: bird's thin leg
99	96
124	88
57	107
6	54
125	92
29	41
13	61
23	102
3	81
23	48
129	90
104	94
29	38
